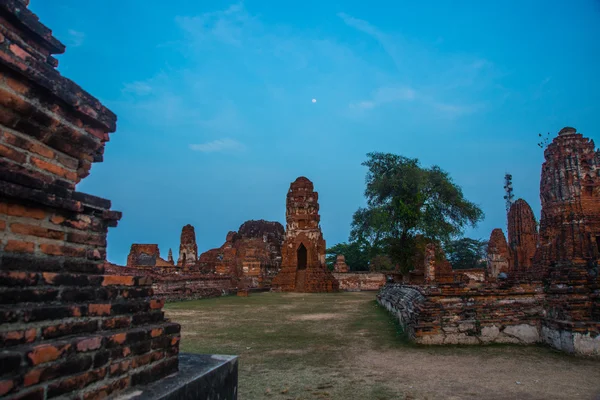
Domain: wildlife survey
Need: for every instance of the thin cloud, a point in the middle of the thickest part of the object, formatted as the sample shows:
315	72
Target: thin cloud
138	87
76	38
385	95
220	145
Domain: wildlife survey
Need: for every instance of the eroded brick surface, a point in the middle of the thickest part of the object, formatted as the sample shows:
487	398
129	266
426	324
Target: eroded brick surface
63	322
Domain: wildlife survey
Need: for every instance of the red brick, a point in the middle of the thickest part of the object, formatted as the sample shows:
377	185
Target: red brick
6	386
33	230
32	377
147	359
106	390
18	210
19	51
57	219
71	384
157	304
117	280
12	338
13	154
2	225
41	149
53	168
45	353
119	368
28	144
86	238
19	86
56	250
99	309
115	323
89	344
17	246
156	332
118	338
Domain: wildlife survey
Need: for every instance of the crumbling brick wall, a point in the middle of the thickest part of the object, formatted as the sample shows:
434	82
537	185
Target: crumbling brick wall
171	285
456	314
360	281
65	327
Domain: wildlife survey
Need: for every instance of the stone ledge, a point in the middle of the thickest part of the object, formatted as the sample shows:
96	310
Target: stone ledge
200	376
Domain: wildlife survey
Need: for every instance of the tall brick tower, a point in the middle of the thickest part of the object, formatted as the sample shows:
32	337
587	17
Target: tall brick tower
303	250
570	195
188	249
522	235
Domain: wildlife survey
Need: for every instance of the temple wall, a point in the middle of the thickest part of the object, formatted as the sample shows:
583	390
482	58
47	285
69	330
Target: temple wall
356	282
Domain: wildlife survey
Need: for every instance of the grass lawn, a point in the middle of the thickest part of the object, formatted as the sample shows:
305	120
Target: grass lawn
344	346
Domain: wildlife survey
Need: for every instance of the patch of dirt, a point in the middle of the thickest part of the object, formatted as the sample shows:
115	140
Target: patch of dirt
315	317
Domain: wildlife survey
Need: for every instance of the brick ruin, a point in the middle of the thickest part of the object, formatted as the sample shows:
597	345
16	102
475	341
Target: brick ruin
252	254
522	235
66	327
303	267
498	255
550	288
147	255
340	264
188	250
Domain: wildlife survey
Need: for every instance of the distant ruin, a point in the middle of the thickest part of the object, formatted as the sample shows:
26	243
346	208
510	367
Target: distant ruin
539	287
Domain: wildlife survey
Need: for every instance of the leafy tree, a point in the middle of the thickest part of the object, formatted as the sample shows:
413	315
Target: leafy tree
381	263
467	253
356	254
405	200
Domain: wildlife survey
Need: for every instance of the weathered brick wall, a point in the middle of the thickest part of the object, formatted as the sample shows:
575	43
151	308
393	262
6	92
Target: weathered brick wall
572	319
405	303
66	329
360	281
179	285
456	314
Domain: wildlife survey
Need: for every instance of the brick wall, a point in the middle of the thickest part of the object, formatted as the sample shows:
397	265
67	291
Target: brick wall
66	328
172	285
356	281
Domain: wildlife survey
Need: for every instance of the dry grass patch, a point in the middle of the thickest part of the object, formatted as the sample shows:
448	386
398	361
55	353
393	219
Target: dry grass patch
344	346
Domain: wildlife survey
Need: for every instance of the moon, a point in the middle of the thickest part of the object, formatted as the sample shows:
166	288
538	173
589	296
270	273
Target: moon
314	100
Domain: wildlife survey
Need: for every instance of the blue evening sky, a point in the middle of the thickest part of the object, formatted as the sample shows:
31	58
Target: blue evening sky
215	111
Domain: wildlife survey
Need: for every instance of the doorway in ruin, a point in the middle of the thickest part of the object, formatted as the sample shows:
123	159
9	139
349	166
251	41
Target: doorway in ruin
302	256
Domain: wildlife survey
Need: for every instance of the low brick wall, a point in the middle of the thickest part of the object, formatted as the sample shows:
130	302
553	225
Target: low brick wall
405	303
172	285
360	281
460	315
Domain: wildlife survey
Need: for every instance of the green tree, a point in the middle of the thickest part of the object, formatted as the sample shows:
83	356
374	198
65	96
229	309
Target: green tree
467	253
405	200
356	254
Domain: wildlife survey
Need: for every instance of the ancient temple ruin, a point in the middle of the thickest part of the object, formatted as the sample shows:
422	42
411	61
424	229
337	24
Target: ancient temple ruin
522	235
252	254
549	287
498	255
66	328
188	250
303	267
147	255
